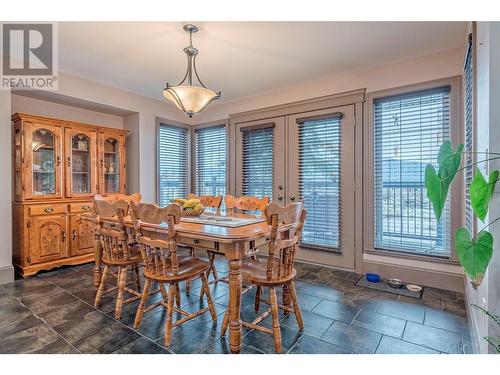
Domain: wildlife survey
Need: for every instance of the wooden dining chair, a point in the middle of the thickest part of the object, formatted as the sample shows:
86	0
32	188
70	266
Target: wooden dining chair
136	197
164	266
275	271
243	203
210	201
116	252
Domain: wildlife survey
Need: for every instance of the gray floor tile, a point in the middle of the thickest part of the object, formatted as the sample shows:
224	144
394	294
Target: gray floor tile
403	310
221	346
190	337
75	330
434	338
313	345
107	340
69	312
336	311
42	304
57	347
141	346
380	323
446	320
390	345
28	340
314	324
355	339
265	341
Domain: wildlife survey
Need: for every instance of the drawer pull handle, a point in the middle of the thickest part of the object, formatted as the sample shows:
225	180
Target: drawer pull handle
74	235
63	235
196	241
86	208
48	210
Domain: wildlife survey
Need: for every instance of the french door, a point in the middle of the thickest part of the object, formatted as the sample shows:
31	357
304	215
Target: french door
305	157
320	173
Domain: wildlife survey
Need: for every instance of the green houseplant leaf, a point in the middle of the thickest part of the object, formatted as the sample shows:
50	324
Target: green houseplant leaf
474	254
438	183
481	191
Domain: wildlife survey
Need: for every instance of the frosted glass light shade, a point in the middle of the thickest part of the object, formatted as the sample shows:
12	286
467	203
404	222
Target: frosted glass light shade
190	99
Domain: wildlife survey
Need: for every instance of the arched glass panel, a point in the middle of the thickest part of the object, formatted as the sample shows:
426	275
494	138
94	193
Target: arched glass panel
80	169
111	166
43	167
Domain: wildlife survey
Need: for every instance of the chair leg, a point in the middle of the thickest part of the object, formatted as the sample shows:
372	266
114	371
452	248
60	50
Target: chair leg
296	307
276	322
204	285
137	277
122	278
225	322
170	309
258	294
142	304
212	268
188	287
177	295
164	293
102	286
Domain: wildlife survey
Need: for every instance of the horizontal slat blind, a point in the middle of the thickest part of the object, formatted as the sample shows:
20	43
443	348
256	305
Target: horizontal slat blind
409	130
468	103
258	162
172	163
210	155
319	181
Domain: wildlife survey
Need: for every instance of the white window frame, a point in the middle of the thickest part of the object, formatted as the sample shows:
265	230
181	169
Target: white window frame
456	191
159	123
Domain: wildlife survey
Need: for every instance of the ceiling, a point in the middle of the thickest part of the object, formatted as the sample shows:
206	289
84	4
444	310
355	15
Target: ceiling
242	58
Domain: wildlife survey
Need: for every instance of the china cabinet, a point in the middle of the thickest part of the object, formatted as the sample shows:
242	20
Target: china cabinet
58	166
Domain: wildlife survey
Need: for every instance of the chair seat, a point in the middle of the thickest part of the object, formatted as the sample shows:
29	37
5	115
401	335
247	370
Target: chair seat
189	268
255	271
134	258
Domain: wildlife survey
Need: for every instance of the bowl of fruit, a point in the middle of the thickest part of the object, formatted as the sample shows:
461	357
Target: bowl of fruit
190	207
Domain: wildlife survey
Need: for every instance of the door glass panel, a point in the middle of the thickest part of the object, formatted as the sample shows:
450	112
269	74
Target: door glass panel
258	162
43	143
80	170
111	166
319	180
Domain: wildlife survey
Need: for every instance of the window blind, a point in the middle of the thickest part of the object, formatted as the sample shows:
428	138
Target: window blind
258	161
172	163
210	156
468	113
409	130
319	180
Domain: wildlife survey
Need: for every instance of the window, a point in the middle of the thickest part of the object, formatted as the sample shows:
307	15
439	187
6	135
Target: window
468	116
319	180
172	163
409	130
258	161
210	164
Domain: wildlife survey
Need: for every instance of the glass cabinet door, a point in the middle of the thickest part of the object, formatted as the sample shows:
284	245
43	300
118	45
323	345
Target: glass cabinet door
81	168
111	165
43	161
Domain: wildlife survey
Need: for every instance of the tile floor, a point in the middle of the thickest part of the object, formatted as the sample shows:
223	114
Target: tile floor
53	313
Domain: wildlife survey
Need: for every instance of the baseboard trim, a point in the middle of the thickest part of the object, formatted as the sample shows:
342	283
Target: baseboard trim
449	277
6	274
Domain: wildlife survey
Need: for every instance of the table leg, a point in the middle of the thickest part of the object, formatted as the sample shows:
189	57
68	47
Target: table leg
235	280
97	267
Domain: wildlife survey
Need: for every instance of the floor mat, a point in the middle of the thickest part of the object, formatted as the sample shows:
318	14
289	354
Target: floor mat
383	286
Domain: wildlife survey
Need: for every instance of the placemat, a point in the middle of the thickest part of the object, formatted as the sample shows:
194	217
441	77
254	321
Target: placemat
383	286
223	221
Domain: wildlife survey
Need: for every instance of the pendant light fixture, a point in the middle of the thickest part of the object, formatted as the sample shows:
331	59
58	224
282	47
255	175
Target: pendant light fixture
188	97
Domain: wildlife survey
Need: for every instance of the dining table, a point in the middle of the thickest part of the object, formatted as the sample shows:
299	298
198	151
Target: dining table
235	235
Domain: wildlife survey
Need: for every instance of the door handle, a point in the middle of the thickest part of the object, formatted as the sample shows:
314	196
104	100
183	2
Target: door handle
74	234
58	162
63	235
280	197
292	197
69	161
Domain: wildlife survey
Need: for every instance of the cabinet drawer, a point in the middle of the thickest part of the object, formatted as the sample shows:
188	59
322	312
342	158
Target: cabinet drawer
47	209
201	244
80	207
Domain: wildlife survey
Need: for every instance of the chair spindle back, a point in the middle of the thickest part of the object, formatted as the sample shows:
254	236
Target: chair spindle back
113	238
282	250
211	201
246	203
160	256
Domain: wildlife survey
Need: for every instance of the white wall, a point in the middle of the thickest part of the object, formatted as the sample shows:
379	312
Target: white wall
6	269
418	70
64	112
